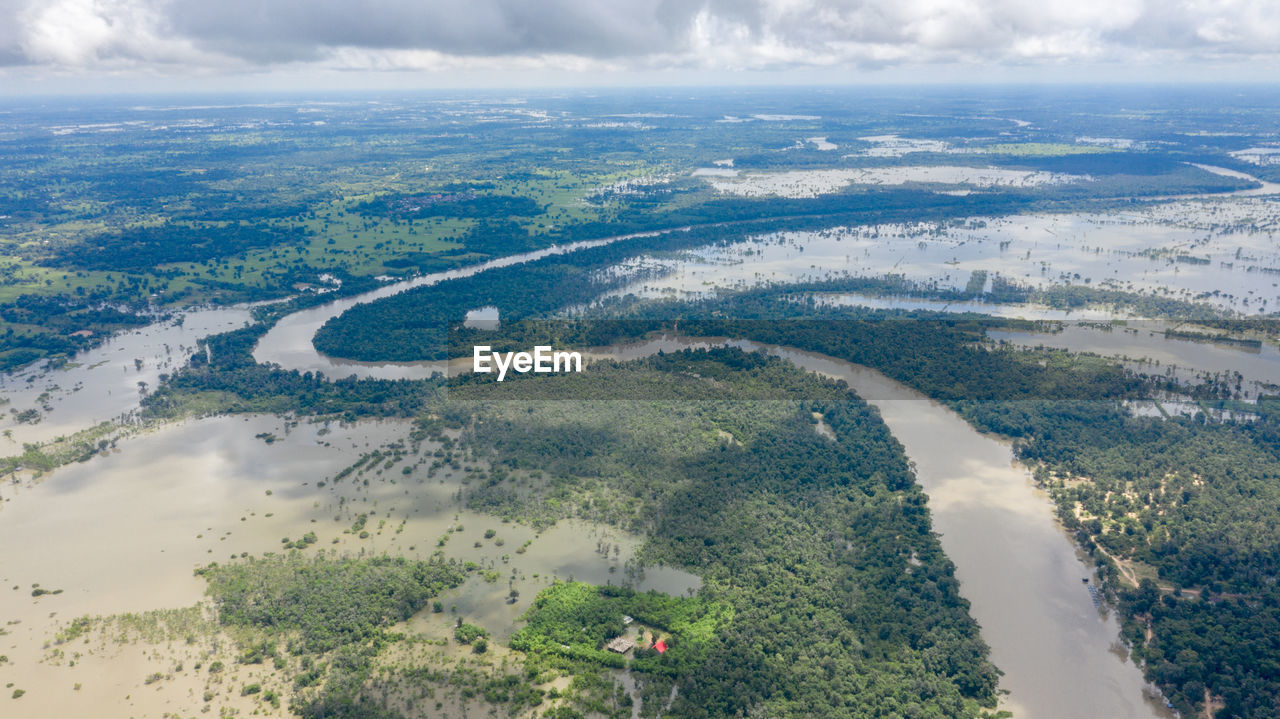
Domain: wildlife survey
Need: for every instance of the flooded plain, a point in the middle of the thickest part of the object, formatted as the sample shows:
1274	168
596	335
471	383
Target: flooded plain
209	489
811	183
123	532
106	382
1222	252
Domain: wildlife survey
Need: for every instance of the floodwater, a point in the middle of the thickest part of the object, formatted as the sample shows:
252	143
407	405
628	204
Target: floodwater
122	533
104	383
811	183
1264	188
1223	252
1143	346
991	309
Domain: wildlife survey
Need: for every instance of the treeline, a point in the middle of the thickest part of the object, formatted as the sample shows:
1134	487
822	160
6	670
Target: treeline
141	249
223	376
1007	291
321	603
43	326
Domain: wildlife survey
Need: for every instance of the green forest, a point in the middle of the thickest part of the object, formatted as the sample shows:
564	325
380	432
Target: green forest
822	548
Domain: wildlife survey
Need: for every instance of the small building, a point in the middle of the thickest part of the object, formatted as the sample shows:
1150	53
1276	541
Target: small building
621	645
660	646
627	619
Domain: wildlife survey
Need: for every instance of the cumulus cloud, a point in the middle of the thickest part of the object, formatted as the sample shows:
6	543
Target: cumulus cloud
625	34
88	33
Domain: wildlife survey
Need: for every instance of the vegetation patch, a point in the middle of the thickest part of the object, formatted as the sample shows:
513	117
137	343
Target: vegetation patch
578	620
329	602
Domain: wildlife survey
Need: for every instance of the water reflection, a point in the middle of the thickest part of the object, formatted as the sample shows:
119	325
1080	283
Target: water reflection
107	381
122	532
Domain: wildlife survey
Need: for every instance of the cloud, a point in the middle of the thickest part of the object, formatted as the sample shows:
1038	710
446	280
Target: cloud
79	35
475	28
96	33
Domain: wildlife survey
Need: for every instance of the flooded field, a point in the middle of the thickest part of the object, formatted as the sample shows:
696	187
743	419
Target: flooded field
122	533
103	383
811	183
1144	347
1186	250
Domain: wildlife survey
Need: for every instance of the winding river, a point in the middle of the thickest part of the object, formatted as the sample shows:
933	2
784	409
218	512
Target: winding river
288	343
1017	567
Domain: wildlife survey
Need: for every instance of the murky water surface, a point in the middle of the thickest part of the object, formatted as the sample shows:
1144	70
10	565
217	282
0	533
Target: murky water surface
106	382
122	533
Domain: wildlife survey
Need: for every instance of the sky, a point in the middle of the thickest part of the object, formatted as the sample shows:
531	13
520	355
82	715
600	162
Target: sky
218	45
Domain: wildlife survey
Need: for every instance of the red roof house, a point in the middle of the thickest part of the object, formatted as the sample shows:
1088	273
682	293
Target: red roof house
660	645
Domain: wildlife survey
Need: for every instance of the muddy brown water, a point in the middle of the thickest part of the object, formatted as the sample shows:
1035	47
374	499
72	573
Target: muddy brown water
122	533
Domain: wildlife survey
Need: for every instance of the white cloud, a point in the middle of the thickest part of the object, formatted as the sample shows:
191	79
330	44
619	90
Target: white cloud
607	35
68	32
93	33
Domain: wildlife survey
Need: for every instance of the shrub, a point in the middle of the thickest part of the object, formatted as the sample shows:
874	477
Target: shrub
467	633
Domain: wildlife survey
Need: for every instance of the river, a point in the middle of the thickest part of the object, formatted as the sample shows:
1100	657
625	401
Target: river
288	343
